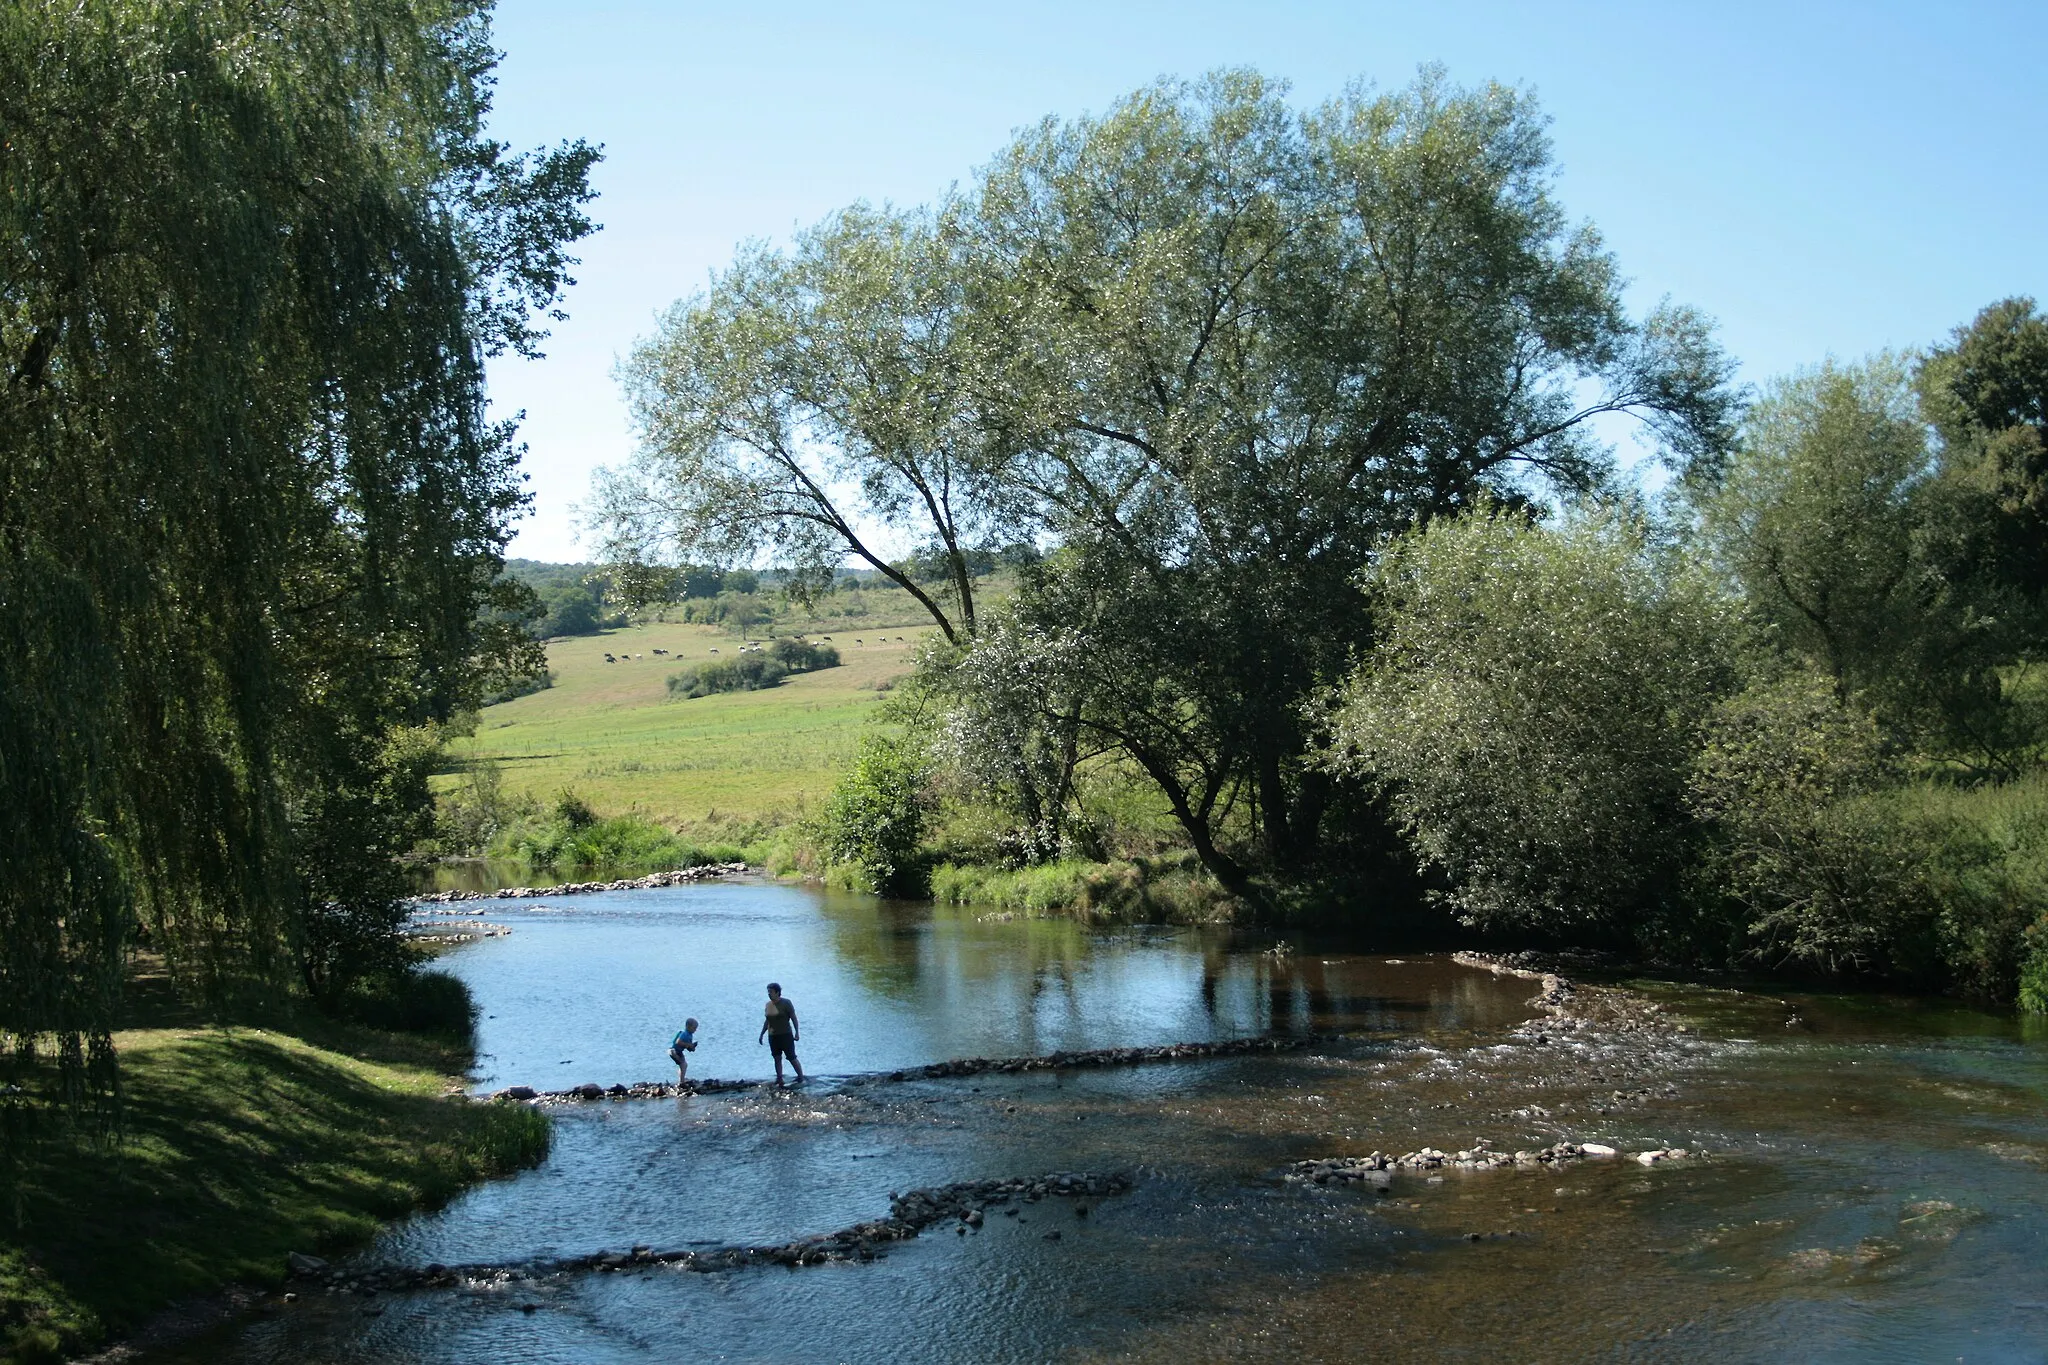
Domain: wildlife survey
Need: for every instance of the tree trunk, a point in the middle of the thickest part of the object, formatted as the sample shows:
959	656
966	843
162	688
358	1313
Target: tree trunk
1273	827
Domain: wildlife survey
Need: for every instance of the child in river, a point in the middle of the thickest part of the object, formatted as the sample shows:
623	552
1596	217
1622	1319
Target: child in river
679	1051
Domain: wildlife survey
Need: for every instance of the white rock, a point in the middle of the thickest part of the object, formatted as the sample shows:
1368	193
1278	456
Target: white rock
1596	1149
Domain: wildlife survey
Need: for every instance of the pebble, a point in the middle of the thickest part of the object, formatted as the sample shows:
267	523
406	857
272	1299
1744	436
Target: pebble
1379	1168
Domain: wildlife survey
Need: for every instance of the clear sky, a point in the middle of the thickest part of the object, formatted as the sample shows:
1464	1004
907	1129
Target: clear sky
1821	178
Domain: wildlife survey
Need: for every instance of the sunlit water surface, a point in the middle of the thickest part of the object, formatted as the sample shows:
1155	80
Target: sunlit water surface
1877	1189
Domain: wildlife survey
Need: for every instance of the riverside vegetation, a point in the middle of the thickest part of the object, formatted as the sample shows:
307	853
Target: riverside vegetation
1264	563
251	522
1338	606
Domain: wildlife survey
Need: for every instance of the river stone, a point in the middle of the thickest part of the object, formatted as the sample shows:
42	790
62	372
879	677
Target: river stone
1596	1149
299	1263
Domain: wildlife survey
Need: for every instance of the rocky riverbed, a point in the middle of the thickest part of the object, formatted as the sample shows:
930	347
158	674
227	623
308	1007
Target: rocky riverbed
682	876
1379	1168
590	1091
965	1204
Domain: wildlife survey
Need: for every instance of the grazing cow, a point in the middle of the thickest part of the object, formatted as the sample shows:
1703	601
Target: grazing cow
860	642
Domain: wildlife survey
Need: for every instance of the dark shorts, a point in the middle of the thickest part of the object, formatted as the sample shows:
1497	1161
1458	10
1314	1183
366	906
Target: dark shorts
781	1045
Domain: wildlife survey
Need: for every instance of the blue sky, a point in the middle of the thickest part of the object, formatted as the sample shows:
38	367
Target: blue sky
1822	179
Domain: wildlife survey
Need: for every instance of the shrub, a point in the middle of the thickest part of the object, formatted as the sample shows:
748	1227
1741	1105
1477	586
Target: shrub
748	673
874	821
1991	879
620	844
524	685
1174	889
412	1000
471	814
1529	710
1814	869
798	657
2034	972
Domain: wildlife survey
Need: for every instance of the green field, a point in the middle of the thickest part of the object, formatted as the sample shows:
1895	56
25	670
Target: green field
610	733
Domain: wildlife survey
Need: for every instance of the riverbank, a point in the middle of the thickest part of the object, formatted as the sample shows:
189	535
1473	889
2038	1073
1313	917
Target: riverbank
238	1146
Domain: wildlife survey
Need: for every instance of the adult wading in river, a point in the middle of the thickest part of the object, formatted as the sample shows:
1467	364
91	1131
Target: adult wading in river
779	1029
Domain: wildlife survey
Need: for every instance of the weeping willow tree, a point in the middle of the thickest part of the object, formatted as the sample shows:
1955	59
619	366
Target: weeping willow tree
253	258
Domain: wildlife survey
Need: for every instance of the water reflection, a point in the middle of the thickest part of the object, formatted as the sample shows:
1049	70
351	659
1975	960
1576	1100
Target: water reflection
590	988
1878	1190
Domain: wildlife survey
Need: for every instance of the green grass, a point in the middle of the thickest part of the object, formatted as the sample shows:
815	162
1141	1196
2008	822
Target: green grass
612	734
1172	889
238	1145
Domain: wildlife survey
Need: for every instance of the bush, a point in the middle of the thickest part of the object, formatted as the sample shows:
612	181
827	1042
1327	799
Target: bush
620	844
1174	889
1807	864
523	686
2034	972
798	657
470	815
874	821
1529	710
748	673
412	1000
1990	880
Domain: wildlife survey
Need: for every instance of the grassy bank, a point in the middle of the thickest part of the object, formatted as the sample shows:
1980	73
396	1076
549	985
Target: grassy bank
238	1145
1171	889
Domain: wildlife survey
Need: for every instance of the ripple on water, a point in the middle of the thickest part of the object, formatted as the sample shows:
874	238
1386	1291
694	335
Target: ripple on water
1868	1195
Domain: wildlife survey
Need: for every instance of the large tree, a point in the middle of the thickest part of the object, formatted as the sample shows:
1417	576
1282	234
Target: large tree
1906	574
1245	345
253	257
808	400
1215	349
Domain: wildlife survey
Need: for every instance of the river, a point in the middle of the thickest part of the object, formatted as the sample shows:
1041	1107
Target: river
1874	1185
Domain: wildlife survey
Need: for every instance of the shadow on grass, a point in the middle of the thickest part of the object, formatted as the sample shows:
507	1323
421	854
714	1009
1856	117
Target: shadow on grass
238	1146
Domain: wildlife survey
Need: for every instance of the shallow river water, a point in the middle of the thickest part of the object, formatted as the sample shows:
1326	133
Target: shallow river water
1875	1185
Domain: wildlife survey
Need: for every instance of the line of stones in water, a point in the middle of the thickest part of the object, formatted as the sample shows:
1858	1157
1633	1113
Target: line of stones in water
961	1066
1379	1168
681	876
966	1203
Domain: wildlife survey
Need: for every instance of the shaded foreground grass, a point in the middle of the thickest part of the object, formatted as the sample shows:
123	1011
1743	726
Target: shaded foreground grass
238	1146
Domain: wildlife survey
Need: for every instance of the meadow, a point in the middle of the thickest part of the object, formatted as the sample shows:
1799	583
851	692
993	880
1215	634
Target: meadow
612	734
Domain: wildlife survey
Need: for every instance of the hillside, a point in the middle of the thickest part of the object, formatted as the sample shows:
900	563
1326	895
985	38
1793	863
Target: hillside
611	733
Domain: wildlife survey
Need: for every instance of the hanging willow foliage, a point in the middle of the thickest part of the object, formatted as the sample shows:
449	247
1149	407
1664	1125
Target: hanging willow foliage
253	257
